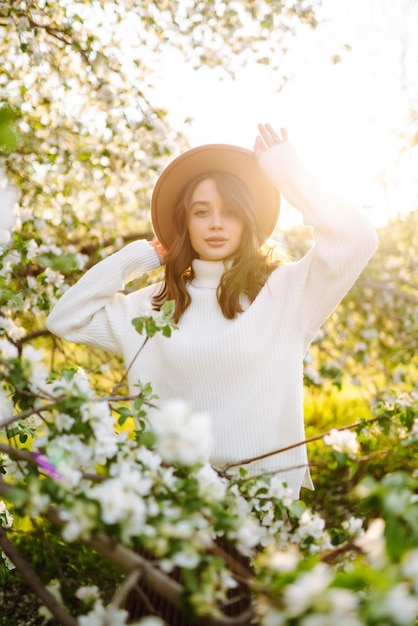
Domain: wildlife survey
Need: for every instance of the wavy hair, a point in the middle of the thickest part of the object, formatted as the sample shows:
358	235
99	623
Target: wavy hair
250	266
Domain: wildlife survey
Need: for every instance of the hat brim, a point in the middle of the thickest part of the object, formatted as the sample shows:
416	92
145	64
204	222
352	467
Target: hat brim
212	157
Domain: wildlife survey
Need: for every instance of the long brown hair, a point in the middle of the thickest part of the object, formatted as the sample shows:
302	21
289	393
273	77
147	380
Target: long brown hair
250	267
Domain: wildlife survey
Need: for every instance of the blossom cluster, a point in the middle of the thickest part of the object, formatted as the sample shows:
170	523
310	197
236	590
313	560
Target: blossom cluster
154	487
8	199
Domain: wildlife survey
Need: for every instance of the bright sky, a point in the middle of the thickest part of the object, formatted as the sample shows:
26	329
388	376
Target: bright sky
345	119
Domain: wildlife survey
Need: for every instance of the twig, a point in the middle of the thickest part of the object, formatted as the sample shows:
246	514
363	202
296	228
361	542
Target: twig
126	586
49	551
28	413
58	34
246	479
240	571
226	467
330	556
124	377
22	454
43	332
17	453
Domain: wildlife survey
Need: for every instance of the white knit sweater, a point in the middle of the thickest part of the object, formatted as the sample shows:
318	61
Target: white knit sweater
247	373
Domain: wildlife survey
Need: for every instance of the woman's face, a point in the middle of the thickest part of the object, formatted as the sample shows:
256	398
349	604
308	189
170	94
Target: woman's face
215	230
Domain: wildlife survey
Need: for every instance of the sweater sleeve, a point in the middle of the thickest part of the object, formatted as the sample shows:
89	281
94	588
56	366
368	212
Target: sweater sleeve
93	311
344	239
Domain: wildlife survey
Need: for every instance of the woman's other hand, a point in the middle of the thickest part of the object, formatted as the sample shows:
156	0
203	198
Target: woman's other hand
268	138
159	250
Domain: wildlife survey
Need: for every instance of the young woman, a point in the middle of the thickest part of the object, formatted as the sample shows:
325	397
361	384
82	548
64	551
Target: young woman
244	321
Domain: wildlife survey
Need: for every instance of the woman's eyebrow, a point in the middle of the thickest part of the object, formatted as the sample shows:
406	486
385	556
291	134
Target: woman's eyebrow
204	202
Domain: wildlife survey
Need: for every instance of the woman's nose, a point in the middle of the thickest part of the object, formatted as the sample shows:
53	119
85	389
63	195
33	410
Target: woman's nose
216	221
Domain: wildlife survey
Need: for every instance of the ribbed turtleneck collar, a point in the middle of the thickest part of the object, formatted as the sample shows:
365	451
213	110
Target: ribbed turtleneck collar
207	274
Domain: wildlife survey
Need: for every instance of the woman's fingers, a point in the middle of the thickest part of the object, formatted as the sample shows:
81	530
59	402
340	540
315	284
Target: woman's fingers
268	137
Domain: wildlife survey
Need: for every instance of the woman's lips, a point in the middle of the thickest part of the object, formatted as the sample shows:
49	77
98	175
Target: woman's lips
216	241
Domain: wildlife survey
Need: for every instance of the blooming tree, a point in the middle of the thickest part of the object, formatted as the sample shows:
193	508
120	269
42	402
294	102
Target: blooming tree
91	464
80	463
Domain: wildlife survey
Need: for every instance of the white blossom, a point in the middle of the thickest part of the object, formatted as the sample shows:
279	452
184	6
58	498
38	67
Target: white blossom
9	261
400	605
63	422
211	485
79	520
32	249
183	529
15	471
354	526
8	199
39	373
313	374
150	621
310	525
182	436
6	518
373	542
272	617
279	490
343	603
33	356
241	506
336	607
106	445
95	411
88	593
69	450
342	441
7	562
81	260
14	331
410	567
55	590
7	349
248	536
119	505
53	277
37	502
148	458
101	616
284	560
187	558
132	478
145	308
6	407
310	586
69	476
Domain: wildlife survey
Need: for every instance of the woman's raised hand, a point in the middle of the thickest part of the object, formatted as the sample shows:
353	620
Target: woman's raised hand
159	250
268	138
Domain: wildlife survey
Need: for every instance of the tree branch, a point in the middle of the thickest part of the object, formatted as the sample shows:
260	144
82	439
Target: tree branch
57	34
129	561
35	582
28	413
226	467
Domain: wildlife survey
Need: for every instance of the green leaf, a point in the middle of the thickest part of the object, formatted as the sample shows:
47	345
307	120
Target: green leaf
146	438
18	496
138	323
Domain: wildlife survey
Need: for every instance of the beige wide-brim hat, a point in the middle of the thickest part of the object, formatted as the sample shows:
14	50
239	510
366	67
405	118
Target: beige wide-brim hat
211	157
